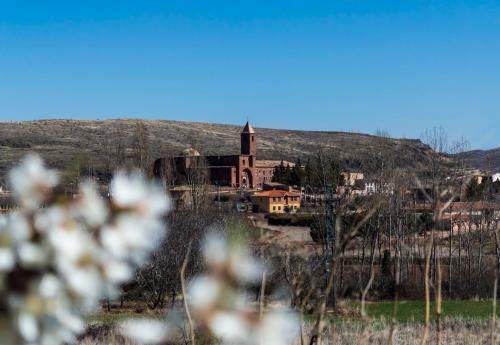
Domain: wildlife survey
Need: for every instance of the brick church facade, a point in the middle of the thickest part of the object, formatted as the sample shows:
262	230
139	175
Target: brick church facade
239	171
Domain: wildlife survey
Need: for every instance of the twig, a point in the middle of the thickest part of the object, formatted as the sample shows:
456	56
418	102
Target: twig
438	304
494	309
396	301
262	299
184	294
368	285
495	288
318	328
427	292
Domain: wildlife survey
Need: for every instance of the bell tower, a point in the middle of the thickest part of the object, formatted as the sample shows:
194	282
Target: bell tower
248	145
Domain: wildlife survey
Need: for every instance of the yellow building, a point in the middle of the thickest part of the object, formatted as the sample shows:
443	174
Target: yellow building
275	201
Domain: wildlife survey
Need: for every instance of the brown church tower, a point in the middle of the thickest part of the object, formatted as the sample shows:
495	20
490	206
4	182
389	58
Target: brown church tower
248	145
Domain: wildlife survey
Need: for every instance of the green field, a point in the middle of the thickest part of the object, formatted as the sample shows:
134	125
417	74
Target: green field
408	311
414	310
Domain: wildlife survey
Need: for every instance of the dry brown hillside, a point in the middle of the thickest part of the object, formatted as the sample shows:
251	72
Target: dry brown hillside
488	160
59	141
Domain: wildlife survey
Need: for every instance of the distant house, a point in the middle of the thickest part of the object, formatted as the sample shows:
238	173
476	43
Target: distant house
475	174
275	201
350	177
465	215
370	187
358	188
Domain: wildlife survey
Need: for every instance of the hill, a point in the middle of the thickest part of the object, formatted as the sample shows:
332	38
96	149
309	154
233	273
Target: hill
60	141
488	160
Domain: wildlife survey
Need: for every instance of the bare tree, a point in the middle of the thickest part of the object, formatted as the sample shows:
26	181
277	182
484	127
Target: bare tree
113	147
141	148
197	179
160	278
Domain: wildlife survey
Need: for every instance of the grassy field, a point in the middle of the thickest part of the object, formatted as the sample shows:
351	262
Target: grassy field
414	310
464	322
408	311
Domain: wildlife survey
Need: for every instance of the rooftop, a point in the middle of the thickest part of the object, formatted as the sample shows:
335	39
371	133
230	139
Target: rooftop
248	128
276	193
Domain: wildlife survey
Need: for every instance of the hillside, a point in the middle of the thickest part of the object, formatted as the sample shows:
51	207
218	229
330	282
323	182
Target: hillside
488	160
59	141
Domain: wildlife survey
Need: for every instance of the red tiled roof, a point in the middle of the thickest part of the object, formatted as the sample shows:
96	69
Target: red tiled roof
276	193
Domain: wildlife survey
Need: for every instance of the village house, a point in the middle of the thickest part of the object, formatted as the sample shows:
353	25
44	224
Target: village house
241	170
350	178
474	174
465	215
275	201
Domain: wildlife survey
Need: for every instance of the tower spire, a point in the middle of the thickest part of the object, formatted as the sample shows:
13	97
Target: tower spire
248	145
248	128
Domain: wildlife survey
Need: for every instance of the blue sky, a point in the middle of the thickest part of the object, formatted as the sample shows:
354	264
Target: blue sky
400	66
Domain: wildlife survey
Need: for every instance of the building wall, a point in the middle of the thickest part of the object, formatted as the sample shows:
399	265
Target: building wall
271	204
264	175
223	176
231	170
260	204
231	160
248	144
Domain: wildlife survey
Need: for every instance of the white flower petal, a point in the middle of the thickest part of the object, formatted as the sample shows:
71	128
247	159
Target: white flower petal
203	292
231	328
31	180
50	286
146	331
32	255
215	250
279	328
7	259
28	327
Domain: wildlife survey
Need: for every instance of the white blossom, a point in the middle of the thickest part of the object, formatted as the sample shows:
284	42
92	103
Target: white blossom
235	258
231	327
7	259
130	192
203	292
88	248
146	331
32	181
80	250
90	206
222	307
278	328
215	250
32	255
28	327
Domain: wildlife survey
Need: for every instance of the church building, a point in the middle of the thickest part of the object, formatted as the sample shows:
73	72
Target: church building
238	171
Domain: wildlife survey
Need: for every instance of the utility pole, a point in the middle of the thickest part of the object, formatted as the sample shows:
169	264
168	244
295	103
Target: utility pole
330	244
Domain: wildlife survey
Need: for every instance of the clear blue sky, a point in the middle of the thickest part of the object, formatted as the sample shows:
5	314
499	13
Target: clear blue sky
356	65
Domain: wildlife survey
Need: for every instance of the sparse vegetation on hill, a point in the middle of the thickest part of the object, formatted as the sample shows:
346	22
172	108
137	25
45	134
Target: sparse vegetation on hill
488	160
67	143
